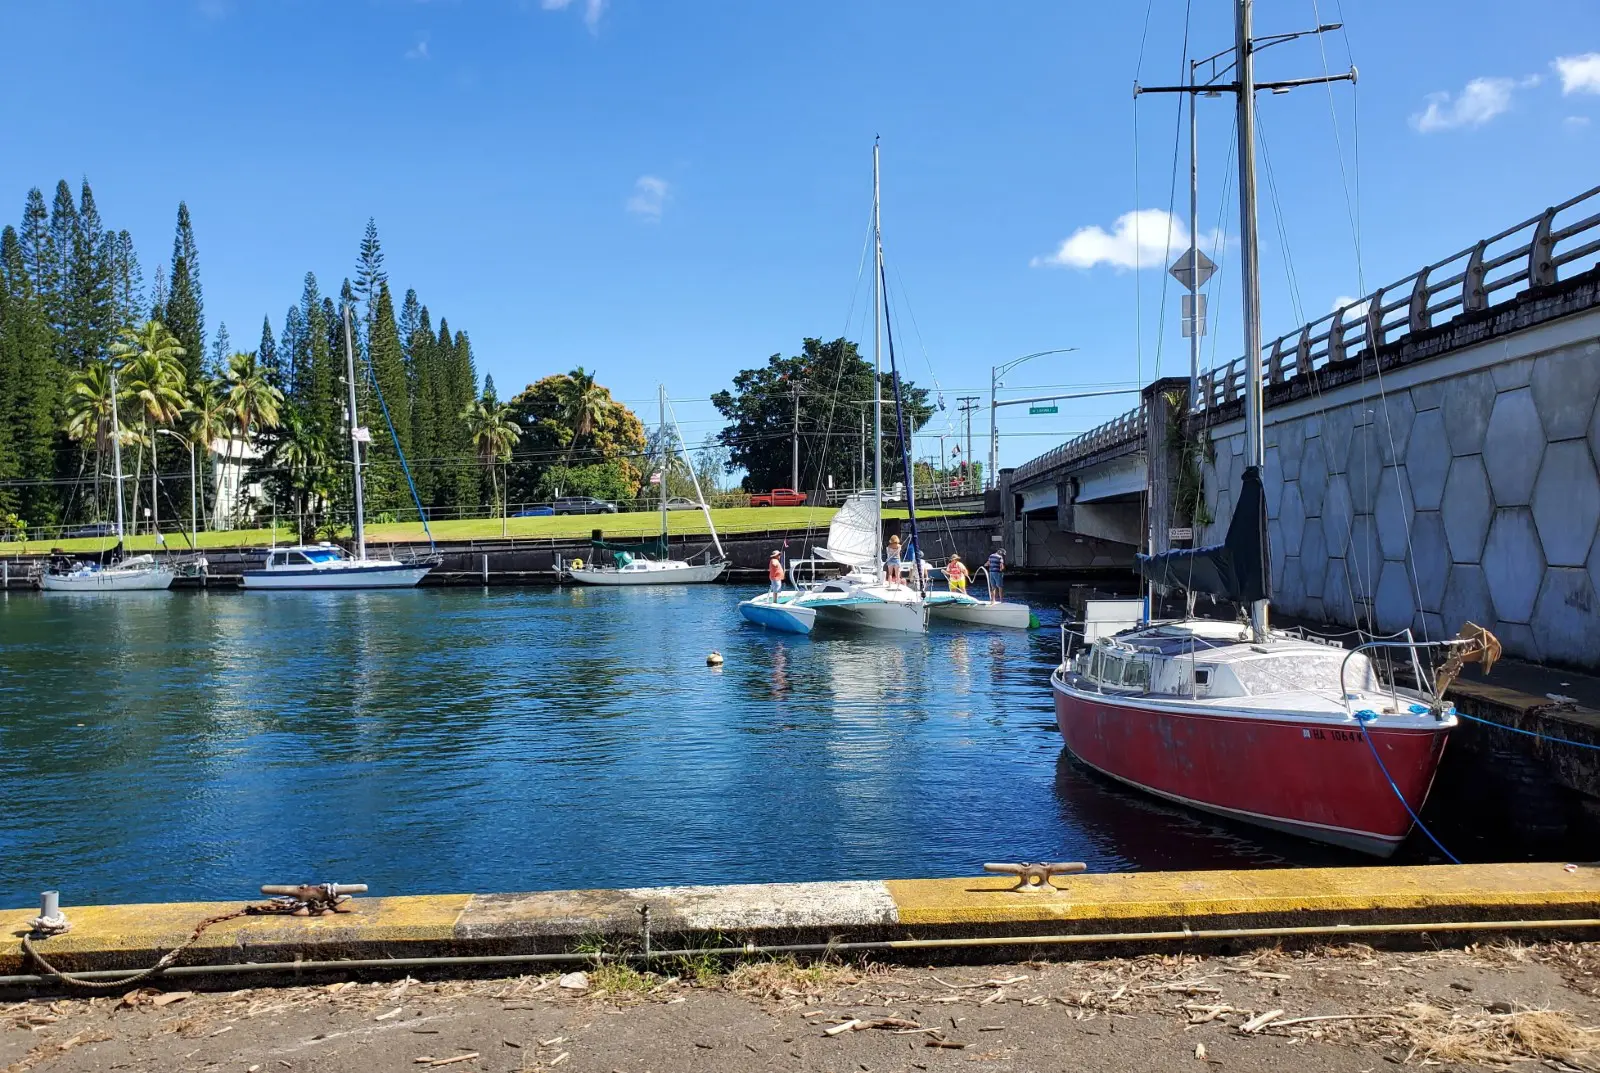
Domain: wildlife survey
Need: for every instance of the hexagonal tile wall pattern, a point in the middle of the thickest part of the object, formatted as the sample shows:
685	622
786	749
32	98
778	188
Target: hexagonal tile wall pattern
1313	475
1566	502
1428	459
1394	514
1431	563
1564	618
1564	385
1394	606
1394	414
1513	447
1466	509
1467	402
1513	563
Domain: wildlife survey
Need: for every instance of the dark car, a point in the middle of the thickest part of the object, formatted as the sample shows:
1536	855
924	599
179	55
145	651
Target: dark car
583	505
93	529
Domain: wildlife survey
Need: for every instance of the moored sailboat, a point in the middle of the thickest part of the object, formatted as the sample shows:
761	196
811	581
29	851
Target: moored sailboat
1272	727
628	568
324	566
140	573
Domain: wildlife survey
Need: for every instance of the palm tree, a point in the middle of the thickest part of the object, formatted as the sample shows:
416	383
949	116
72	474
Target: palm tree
88	411
152	373
300	456
584	405
251	400
493	434
209	421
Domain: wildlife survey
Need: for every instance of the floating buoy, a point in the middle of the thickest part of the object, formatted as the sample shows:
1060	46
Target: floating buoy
714	659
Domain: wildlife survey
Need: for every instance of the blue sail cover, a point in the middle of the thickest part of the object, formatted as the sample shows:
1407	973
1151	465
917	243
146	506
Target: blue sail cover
1238	569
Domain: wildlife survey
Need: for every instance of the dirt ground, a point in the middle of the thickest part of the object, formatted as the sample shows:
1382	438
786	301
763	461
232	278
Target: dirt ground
1335	1008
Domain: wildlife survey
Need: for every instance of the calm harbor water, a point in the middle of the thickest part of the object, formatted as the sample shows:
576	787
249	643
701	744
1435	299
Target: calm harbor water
196	745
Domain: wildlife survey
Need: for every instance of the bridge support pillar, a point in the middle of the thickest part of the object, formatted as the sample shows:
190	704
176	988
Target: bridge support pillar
1165	402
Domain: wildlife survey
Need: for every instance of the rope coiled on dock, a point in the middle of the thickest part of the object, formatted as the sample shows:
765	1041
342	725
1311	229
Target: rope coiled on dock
278	906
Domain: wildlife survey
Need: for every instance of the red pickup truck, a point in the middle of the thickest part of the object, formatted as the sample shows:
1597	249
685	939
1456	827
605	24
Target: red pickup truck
779	497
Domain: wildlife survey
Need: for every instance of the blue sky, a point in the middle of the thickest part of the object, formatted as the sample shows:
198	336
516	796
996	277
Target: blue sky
673	191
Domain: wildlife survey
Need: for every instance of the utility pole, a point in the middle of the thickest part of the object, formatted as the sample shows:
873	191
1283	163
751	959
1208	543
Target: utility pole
794	465
969	403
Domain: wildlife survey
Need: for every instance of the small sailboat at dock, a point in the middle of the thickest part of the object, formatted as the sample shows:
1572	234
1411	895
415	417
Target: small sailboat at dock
326	566
628	568
139	573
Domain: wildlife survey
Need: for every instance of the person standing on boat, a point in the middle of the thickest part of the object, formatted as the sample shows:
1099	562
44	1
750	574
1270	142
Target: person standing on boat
955	572
775	573
891	571
996	569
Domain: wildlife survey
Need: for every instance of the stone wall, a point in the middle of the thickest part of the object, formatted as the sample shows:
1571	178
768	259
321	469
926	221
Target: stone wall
1463	487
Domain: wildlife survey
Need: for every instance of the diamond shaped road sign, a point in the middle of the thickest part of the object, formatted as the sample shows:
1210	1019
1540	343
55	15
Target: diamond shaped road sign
1180	269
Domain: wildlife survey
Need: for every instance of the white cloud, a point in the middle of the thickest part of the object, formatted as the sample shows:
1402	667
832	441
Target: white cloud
649	196
1480	101
1145	238
1355	311
418	51
592	10
1575	122
1579	74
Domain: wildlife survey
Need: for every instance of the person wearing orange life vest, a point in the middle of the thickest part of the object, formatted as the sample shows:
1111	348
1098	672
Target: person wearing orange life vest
955	572
775	573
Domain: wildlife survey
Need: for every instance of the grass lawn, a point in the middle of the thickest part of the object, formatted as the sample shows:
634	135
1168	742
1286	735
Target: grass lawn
730	521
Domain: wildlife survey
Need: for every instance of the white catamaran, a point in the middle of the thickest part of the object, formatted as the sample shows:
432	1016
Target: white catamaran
862	597
628	568
141	573
324	566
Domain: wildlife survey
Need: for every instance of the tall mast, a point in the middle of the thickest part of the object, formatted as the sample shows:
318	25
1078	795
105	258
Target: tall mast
355	434
1249	264
877	358
1194	247
661	393
116	448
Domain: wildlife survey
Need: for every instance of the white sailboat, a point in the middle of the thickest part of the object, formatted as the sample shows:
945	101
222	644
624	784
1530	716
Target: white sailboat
862	597
324	566
628	569
141	573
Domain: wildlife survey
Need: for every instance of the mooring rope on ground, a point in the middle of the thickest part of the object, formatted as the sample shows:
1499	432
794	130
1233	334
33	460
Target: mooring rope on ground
1529	733
142	975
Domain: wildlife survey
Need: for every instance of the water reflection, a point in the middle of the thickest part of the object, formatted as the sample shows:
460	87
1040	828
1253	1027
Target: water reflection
436	740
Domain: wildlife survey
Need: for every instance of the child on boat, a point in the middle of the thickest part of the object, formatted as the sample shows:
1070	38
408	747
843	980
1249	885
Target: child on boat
775	573
891	572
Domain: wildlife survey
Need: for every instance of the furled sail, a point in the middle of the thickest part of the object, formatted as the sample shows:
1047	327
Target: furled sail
1238	569
854	533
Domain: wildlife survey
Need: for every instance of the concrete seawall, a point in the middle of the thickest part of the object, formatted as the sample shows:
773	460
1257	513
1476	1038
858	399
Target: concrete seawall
1115	911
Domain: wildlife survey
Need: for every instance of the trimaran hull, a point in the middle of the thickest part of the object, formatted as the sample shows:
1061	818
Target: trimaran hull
667	573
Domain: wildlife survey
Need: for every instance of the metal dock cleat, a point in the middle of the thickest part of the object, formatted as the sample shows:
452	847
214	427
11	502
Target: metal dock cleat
1035	878
311	900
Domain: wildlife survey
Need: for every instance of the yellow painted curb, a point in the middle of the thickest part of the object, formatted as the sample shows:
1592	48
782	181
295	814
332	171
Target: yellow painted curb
1193	896
108	929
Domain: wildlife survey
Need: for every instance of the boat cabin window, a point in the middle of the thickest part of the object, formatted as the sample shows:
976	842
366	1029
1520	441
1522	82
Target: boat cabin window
1118	669
321	555
1202	676
279	558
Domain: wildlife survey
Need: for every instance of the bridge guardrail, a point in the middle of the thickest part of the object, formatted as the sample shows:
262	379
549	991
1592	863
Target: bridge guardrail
1491	271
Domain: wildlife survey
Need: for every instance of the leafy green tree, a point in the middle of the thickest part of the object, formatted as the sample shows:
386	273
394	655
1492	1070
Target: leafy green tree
63	240
462	380
38	252
613	481
91	313
833	383
425	436
267	351
296	470
184	310
493	434
289	360
127	283
208	420
30	391
614	437
221	347
370	276
583	407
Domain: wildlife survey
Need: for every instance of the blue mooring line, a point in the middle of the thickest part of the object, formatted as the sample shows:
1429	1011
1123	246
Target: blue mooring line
1530	733
1362	723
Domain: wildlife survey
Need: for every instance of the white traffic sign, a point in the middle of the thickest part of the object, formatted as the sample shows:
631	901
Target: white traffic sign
1193	325
1180	269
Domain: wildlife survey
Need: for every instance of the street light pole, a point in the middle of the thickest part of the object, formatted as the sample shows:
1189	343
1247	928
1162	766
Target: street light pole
995	373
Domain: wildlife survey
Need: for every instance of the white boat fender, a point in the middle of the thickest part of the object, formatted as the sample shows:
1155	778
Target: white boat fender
714	659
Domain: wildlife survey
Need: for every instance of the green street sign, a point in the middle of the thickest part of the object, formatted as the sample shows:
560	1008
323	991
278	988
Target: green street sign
1043	410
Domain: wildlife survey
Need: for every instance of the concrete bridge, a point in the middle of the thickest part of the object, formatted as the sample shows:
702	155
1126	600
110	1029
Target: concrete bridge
1431	452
